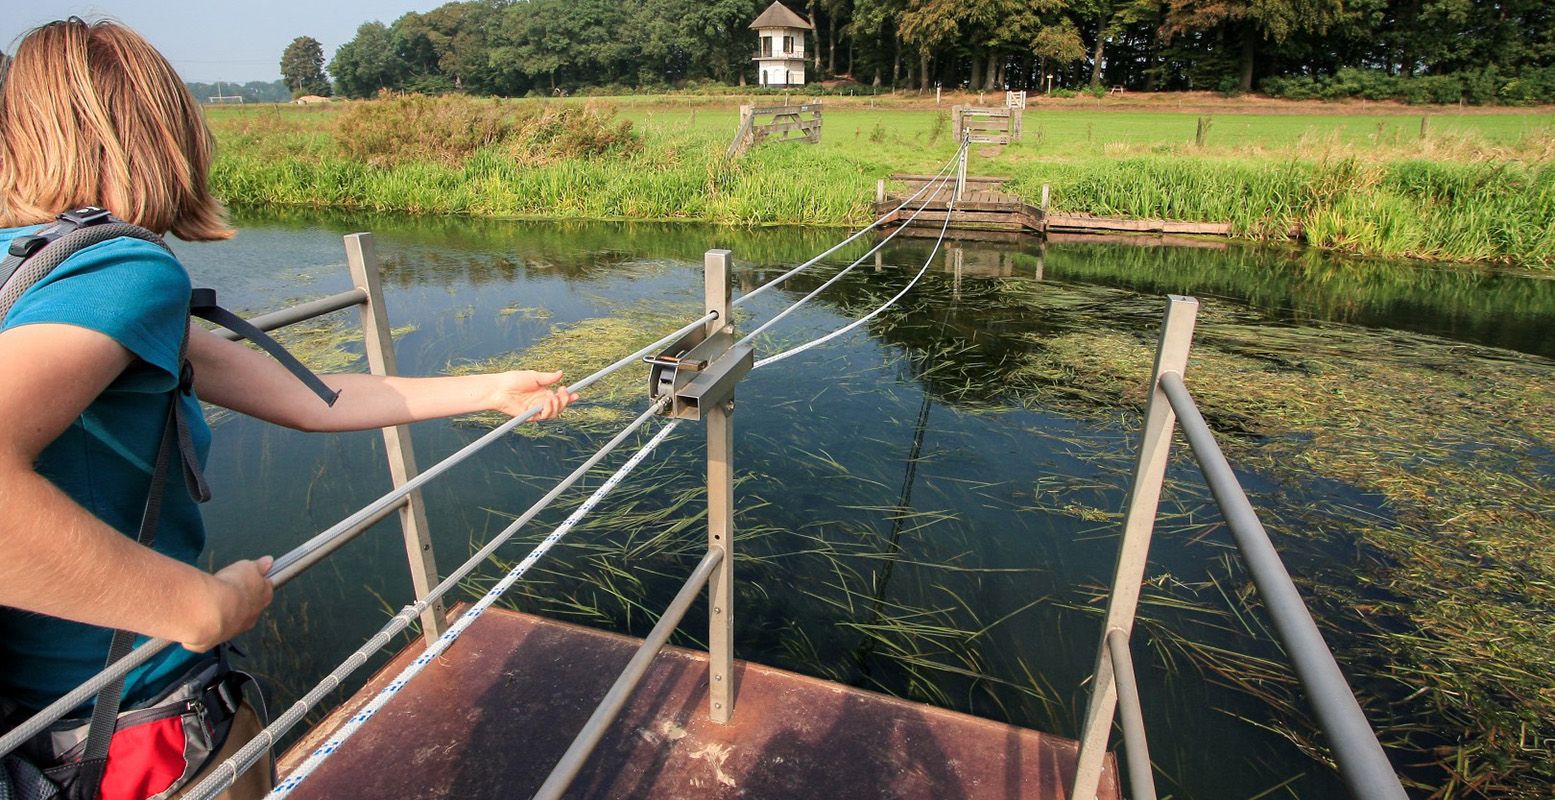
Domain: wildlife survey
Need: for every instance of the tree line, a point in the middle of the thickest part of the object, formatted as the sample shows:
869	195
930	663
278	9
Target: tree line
1432	50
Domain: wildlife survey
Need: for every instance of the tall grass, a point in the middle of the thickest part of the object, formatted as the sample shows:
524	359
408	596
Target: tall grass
556	160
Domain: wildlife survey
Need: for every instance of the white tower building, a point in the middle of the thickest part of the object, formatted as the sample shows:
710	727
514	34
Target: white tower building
780	61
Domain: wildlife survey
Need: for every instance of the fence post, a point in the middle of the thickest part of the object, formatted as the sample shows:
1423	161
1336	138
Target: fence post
1134	550
720	509
379	344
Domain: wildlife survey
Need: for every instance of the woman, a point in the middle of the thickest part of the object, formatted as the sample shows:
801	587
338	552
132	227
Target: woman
91	114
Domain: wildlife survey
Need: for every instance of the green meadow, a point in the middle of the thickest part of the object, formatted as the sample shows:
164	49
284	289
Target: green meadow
1436	184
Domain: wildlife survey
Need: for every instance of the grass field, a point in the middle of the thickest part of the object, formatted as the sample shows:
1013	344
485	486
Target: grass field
1471	186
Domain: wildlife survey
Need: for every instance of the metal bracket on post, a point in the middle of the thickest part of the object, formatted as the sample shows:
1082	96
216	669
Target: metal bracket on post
720	499
1134	550
379	344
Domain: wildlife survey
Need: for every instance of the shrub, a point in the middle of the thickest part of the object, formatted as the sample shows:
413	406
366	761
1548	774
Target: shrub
558	131
396	129
1294	87
449	129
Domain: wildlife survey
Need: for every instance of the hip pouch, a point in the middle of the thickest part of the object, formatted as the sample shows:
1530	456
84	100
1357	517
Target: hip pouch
155	750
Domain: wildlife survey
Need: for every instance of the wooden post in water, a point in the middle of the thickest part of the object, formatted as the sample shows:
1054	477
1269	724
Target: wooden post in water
379	344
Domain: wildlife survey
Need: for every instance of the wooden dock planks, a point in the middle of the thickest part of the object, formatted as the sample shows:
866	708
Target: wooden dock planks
491	718
985	206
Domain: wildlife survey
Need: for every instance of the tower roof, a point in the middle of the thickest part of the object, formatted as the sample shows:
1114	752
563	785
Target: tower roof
777	15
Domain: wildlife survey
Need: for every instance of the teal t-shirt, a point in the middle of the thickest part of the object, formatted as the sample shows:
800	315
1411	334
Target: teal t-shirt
138	295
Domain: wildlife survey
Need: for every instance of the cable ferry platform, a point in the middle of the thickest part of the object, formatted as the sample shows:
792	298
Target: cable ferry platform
496	704
494	714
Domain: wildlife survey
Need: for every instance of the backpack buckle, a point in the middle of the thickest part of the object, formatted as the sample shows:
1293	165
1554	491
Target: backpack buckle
27	246
85	216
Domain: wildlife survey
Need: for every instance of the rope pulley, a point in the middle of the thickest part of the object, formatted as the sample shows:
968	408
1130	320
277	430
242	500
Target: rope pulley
697	372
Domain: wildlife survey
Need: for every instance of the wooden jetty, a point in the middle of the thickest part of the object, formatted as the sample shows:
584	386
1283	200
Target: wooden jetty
985	205
492	716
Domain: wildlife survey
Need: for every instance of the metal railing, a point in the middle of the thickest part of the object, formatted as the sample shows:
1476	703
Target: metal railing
378	344
1363	766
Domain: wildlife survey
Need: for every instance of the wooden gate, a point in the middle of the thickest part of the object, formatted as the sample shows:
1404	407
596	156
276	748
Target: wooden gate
786	123
986	125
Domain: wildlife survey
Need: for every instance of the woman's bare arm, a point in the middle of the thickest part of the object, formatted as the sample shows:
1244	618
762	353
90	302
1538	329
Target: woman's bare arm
58	559
247	381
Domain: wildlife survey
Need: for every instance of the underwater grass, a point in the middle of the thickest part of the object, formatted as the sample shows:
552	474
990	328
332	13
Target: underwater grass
1457	601
579	349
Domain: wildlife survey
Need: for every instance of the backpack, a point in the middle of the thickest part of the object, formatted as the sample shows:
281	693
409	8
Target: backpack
72	758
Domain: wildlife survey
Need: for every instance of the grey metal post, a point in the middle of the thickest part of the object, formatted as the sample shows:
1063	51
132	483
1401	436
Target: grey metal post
1133	552
720	509
379	344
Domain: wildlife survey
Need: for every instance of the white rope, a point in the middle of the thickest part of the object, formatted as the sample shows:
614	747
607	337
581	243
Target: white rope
228	771
794	351
940	177
290	565
748	296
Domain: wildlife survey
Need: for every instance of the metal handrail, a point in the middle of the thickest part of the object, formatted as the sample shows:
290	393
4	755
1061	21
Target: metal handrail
301	312
1363	766
298	560
1362	763
632	674
1141	780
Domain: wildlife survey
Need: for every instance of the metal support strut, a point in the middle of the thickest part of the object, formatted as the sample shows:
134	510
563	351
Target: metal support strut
720	503
1138	523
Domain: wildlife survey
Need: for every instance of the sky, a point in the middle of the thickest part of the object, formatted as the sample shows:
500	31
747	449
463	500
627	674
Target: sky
217	40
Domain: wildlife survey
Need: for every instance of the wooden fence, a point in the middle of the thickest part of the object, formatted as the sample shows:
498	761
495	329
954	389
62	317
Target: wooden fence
786	123
987	125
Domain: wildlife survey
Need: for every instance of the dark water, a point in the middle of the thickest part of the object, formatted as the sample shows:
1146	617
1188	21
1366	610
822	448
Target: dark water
895	525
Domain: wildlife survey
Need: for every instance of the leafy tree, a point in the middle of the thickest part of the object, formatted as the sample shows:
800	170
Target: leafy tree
1491	51
1253	21
368	63
302	67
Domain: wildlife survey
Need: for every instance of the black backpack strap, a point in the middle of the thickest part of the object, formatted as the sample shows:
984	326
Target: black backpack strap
202	304
30	259
105	715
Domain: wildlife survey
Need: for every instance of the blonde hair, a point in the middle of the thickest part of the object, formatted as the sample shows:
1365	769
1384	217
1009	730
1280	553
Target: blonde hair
92	114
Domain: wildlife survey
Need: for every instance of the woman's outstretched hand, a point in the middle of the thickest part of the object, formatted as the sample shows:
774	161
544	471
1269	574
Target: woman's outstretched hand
520	390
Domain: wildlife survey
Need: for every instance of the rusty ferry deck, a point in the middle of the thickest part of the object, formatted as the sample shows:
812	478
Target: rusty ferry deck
492	716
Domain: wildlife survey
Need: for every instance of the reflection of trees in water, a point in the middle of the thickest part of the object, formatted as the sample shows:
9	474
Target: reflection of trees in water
1288	284
444	249
1480	306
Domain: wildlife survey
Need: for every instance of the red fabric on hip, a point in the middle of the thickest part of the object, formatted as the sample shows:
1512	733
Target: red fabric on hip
144	760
